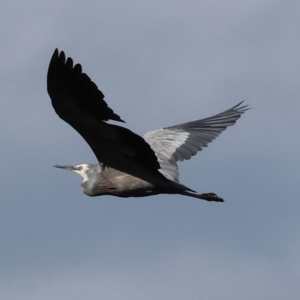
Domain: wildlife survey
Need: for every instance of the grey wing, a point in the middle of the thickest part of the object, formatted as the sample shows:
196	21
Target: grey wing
182	141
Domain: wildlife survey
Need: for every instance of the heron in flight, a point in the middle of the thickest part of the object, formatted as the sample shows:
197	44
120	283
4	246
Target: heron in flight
128	165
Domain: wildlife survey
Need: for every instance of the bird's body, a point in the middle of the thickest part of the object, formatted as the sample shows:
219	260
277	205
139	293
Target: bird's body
100	180
113	182
129	165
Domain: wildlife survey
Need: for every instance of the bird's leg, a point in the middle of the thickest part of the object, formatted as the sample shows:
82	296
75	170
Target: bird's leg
210	197
204	196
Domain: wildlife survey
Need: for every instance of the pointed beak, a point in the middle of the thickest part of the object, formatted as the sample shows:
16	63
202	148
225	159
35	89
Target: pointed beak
70	168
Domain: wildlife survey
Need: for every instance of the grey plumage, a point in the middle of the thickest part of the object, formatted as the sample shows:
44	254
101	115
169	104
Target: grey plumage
129	166
181	142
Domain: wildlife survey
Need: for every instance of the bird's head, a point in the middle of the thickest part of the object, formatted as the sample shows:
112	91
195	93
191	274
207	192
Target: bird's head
81	170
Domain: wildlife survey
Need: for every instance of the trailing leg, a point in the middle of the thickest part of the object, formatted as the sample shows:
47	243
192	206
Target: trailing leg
204	196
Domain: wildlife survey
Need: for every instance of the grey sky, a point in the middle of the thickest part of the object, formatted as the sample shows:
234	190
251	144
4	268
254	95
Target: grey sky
158	63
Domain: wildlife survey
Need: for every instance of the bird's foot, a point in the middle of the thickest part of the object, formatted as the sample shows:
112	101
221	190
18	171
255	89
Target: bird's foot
211	197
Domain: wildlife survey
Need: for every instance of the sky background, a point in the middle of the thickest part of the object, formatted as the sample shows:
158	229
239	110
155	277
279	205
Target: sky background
159	63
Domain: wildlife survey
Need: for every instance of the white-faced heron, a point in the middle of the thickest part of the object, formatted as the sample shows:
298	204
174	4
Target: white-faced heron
128	165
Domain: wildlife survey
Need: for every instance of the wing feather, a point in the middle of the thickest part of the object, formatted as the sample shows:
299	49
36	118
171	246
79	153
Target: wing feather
78	101
181	142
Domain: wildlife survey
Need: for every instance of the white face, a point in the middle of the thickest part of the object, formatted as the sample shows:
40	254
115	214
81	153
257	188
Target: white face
81	170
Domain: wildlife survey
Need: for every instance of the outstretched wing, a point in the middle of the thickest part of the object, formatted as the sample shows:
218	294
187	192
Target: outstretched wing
182	141
77	100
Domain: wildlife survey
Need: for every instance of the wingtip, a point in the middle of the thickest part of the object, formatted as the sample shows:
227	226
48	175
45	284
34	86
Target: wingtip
121	120
58	55
55	53
240	107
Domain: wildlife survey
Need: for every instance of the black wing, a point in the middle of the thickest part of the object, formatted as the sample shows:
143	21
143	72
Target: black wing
77	100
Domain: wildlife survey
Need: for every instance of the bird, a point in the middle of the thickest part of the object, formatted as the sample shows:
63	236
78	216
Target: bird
128	165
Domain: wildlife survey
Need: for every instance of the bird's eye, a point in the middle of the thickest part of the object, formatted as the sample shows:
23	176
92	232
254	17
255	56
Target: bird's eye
79	168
